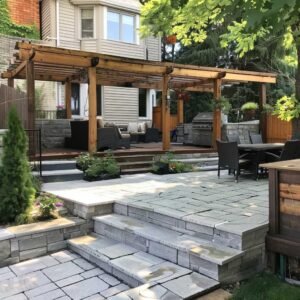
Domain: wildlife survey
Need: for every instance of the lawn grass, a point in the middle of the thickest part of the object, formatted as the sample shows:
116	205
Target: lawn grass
266	286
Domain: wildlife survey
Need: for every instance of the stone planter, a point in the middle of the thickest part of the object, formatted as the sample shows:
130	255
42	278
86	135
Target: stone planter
249	114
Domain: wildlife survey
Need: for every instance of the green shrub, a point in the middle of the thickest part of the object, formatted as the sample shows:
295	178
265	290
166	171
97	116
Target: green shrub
16	189
287	108
47	206
249	106
102	168
167	164
84	161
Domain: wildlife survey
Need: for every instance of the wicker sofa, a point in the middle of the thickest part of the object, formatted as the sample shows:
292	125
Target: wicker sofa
107	137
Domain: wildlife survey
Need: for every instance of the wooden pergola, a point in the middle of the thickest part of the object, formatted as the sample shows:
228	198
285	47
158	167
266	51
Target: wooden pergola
36	62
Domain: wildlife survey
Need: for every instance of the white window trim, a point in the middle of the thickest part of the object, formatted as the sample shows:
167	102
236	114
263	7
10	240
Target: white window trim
136	39
94	22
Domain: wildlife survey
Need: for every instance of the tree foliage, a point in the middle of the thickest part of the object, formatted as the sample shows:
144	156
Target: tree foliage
249	26
16	188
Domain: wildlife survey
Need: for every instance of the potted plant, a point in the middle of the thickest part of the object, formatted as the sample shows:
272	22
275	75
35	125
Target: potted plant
267	109
249	110
224	105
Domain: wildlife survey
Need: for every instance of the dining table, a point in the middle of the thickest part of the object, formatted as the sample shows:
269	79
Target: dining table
256	153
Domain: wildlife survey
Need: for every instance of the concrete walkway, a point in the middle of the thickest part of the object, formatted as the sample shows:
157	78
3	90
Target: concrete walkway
199	197
63	275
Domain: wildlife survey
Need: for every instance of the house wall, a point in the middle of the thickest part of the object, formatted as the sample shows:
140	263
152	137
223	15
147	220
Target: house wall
24	12
120	105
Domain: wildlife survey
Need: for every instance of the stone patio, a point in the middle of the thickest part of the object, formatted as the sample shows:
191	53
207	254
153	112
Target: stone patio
63	275
198	197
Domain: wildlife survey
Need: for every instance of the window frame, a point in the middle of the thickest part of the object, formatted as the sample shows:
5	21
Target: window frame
121	14
80	22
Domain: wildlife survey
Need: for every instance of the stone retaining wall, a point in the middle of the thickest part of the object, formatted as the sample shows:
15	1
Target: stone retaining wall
241	129
23	242
54	132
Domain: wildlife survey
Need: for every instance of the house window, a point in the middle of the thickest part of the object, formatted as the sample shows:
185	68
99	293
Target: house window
87	23
142	103
120	27
99	100
75	98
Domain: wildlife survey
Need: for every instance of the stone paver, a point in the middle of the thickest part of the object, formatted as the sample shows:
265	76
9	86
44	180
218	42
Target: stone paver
202	198
63	276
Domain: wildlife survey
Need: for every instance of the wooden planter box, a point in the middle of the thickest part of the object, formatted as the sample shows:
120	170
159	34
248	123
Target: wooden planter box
284	210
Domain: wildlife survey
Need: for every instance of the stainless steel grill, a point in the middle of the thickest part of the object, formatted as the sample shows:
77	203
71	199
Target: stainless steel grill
202	129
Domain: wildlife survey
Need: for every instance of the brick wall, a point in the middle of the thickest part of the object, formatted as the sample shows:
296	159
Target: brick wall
24	12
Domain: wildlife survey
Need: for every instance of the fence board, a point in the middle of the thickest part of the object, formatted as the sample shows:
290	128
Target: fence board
277	131
157	119
10	97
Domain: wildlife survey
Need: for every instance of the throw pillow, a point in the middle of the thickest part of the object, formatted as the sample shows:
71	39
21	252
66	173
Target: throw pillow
132	127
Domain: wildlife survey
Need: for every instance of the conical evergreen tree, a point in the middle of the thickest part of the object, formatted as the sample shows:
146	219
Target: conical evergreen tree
16	189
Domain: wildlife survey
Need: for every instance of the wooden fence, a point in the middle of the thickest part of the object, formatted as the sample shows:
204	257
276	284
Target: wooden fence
276	130
10	97
157	119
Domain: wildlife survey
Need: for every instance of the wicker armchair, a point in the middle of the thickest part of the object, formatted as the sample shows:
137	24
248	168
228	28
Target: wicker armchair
291	150
255	138
229	158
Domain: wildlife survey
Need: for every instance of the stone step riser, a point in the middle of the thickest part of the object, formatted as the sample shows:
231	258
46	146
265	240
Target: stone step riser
135	165
176	256
101	263
56	167
128	159
219	237
61	178
135	171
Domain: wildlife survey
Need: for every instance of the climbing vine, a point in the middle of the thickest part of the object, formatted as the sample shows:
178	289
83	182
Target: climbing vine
7	27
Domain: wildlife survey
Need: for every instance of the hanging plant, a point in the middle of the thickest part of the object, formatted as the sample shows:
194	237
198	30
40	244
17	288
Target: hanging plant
171	39
222	104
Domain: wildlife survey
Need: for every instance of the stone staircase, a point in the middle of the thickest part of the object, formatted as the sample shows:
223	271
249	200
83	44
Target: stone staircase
65	170
162	255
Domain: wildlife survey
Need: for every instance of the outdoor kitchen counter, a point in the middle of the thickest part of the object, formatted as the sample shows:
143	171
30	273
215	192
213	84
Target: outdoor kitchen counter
292	165
284	211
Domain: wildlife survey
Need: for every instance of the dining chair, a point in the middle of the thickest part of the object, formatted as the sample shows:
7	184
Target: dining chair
291	150
233	138
255	138
229	158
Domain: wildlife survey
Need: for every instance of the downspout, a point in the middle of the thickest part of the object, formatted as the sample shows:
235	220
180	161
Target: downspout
58	96
57	24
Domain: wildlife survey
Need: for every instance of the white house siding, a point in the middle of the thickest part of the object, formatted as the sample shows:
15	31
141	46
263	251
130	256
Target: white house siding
46	17
120	105
89	45
153	46
122	49
67	29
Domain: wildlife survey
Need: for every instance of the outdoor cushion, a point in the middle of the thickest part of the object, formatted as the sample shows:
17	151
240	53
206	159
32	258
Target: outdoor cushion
142	127
100	123
132	127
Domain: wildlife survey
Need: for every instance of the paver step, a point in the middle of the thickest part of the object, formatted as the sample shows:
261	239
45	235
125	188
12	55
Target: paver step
137	268
188	251
135	171
134	158
60	175
51	165
135	165
236	234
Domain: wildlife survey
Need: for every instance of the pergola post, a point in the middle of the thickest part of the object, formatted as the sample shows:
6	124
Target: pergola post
10	82
92	110
68	99
165	110
180	110
217	113
30	89
262	102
